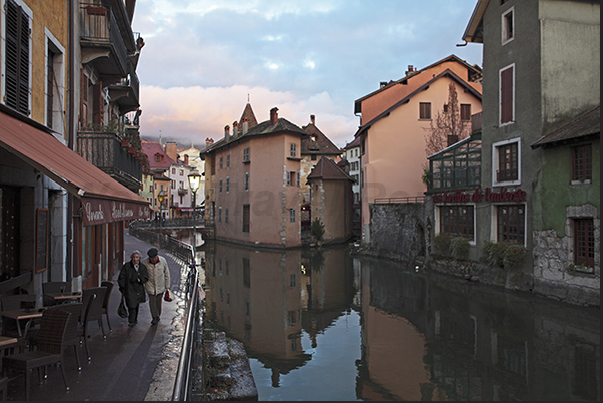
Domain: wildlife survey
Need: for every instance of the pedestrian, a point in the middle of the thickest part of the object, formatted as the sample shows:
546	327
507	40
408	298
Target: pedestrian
159	282
131	281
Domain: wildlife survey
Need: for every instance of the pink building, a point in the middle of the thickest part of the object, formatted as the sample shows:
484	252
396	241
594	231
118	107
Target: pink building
253	183
394	123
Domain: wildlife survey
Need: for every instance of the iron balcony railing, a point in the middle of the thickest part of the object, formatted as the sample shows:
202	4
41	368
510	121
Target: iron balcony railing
98	25
400	200
104	149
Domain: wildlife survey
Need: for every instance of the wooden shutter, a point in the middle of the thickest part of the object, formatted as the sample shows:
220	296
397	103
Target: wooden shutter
97	103
506	95
84	100
17	58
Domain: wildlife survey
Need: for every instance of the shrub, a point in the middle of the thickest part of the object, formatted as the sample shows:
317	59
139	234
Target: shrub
503	254
317	229
460	247
441	244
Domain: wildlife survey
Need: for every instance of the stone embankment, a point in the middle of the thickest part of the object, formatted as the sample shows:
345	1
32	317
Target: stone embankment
226	371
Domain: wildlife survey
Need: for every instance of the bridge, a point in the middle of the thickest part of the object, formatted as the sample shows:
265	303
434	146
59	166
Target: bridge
202	225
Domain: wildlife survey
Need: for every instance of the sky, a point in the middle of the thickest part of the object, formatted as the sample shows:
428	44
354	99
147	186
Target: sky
204	60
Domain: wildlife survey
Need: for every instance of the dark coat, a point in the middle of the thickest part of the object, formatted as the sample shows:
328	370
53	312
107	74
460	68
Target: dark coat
131	283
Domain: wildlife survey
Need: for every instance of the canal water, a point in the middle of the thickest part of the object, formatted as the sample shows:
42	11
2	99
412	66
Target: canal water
326	325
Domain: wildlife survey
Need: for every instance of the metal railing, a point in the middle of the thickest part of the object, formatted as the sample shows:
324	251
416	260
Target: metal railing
400	200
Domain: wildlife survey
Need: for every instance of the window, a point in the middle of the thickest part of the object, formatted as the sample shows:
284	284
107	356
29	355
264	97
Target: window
226	218
173	184
181	172
511	223
457	221
290	178
219	214
228	161
507	95
292	149
465	112
246	218
584	242
508	32
173	171
227	184
220	186
55	82
582	164
246	181
292	215
425	110
246	154
17	45
313	157
298	178
446	108
508	158
221	162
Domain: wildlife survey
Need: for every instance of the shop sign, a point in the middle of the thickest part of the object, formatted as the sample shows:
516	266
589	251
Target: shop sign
100	211
488	195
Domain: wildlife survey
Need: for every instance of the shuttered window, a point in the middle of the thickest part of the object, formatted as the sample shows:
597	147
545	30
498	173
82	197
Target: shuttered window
17	58
465	112
508	160
507	102
246	218
425	110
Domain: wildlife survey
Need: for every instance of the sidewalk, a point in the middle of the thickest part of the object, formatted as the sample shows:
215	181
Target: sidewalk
131	364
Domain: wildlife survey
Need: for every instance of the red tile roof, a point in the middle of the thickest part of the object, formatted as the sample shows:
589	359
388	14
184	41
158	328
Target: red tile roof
327	169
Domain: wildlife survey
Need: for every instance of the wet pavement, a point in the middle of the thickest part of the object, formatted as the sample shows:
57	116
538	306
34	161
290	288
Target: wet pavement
130	364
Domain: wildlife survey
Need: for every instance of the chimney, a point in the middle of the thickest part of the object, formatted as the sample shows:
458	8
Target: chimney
273	116
245	125
410	69
226	133
235	128
208	142
382	84
313	119
171	149
185	159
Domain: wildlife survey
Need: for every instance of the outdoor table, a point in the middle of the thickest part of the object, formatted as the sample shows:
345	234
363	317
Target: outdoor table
63	297
6	340
22	314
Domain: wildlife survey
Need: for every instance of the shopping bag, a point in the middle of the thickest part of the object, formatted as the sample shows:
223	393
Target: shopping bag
166	296
122	311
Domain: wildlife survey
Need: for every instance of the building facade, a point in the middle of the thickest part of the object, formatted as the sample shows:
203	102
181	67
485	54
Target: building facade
395	121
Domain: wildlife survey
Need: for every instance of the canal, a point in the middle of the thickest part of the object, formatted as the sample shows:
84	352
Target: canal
326	325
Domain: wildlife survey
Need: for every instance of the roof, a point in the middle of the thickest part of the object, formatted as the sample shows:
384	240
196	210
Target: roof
248	113
32	143
153	148
321	144
446	73
353	143
474	31
584	125
473	70
265	128
327	169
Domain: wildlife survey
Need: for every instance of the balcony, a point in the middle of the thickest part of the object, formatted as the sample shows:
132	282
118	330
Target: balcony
182	192
102	42
105	150
125	93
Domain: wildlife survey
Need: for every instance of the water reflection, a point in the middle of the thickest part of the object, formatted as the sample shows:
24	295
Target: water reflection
325	326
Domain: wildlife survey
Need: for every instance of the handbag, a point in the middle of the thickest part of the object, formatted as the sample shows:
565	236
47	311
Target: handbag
166	296
122	311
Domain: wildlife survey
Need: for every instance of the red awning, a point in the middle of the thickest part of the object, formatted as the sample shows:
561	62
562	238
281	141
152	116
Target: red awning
95	188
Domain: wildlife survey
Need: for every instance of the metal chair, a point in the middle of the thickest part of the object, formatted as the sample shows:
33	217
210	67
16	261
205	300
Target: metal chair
49	350
109	285
54	287
96	310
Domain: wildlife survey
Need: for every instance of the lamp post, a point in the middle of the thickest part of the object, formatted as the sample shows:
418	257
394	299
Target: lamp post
194	181
160	198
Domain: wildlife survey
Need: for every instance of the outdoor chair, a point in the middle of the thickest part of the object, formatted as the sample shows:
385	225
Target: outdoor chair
12	303
54	287
49	350
109	285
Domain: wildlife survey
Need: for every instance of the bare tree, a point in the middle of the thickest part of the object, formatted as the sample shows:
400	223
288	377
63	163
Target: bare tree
447	123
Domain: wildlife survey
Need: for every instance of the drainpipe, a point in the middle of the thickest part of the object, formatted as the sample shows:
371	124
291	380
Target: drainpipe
70	134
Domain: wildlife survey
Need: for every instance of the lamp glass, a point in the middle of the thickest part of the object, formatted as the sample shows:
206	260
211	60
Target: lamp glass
194	180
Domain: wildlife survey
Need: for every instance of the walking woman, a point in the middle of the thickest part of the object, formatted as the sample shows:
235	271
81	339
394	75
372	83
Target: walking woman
159	281
131	281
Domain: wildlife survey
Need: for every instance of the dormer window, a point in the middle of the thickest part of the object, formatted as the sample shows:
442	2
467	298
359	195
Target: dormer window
158	157
313	138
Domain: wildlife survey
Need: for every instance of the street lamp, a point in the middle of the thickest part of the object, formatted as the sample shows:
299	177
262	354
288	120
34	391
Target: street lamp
160	198
194	181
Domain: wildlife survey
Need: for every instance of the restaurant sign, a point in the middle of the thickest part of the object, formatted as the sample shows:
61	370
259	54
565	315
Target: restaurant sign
101	211
479	195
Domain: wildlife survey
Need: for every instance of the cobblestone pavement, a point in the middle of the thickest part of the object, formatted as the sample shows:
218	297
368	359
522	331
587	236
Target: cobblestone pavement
130	364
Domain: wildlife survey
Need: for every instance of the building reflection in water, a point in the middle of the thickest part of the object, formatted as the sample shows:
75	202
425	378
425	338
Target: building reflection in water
421	337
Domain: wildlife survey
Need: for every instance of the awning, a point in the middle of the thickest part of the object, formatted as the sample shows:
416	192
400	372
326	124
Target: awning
103	199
